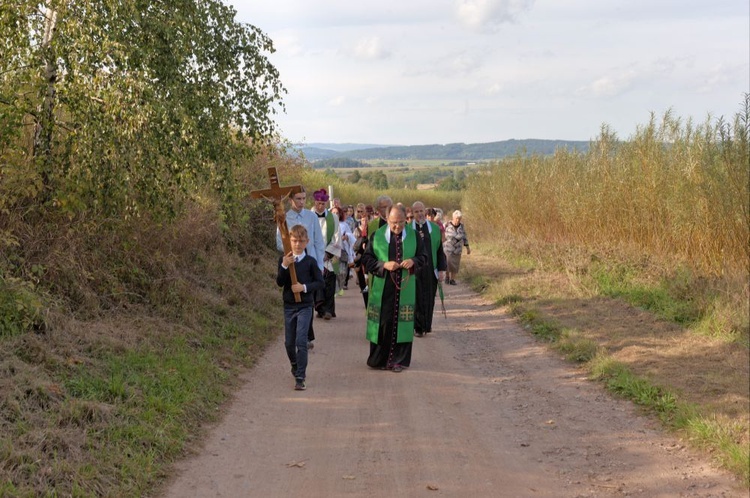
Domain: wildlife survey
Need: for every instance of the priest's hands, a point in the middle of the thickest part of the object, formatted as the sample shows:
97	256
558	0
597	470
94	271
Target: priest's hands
391	266
407	264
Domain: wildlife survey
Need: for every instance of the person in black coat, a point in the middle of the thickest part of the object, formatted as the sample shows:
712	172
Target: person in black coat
298	315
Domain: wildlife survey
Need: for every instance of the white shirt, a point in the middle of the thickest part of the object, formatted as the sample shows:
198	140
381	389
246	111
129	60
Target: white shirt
309	220
297	259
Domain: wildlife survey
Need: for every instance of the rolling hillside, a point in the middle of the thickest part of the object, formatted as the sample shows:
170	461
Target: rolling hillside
455	151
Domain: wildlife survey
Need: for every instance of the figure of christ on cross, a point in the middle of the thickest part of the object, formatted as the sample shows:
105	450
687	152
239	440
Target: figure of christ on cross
277	194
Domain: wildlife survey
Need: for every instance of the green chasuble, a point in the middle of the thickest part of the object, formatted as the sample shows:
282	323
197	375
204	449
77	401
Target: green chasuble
373	227
435	239
330	227
380	247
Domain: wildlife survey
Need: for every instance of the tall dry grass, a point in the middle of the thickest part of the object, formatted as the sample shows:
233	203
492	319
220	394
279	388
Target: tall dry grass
673	190
660	221
668	209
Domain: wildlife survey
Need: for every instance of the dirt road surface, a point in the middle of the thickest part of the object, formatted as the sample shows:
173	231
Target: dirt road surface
484	411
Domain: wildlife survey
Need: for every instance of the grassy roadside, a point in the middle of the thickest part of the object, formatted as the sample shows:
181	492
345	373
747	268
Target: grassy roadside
646	341
122	336
101	391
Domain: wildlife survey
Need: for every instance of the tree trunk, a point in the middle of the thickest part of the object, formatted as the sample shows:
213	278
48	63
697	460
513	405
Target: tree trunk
45	117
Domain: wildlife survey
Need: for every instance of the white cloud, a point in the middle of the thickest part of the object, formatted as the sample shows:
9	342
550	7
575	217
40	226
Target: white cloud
494	89
440	71
609	85
370	48
449	66
489	15
287	44
464	63
718	76
337	101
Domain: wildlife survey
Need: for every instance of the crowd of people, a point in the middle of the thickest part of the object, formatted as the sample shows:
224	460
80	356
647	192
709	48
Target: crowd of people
398	256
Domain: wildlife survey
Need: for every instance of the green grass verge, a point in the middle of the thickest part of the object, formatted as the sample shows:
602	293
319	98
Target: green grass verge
621	281
114	424
718	436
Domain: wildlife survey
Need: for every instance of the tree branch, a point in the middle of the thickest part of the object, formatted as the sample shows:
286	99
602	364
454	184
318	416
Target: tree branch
15	69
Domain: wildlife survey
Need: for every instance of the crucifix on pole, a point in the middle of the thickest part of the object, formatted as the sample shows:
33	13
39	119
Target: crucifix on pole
277	194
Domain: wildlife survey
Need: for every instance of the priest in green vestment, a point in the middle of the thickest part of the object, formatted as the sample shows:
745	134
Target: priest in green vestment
431	273
394	254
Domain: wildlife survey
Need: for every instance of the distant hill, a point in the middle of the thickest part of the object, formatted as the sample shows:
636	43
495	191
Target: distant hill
456	151
344	147
317	151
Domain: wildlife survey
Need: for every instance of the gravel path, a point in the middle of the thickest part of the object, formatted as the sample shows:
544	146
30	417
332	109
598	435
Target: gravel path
485	410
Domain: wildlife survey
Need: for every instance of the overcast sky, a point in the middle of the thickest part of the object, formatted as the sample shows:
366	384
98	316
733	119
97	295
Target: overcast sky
413	72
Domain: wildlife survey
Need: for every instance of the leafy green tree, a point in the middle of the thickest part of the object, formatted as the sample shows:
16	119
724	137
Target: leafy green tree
380	180
355	177
376	179
339	162
132	102
449	184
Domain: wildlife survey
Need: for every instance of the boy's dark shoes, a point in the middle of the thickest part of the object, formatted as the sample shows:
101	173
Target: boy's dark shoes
327	316
300	385
398	368
418	333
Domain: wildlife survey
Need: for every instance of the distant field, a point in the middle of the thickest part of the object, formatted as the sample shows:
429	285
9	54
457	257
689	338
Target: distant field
403	166
416	163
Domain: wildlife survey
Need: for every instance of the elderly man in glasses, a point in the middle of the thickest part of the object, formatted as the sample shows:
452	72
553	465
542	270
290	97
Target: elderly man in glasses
383	206
429	275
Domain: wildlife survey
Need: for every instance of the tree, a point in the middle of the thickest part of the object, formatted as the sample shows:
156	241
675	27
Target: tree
449	184
355	177
132	101
376	179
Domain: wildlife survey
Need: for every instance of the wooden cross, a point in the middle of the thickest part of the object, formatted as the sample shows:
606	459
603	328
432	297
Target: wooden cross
277	194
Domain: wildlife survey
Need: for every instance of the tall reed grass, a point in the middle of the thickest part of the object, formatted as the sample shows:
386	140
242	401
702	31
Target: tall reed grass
673	190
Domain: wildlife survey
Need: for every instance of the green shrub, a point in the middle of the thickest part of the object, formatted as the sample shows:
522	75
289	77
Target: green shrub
20	308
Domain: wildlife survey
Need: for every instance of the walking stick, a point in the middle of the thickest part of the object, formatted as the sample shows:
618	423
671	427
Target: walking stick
442	298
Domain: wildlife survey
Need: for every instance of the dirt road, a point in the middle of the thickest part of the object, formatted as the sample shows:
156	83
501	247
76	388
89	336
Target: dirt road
484	411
